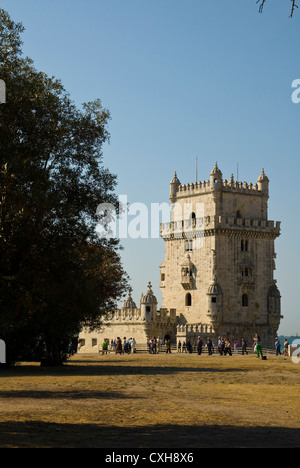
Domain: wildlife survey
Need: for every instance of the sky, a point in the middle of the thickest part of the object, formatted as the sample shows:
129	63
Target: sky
182	80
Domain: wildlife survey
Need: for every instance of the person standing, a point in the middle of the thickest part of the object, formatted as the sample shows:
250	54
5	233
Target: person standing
119	346
257	344
244	346
189	346
286	347
209	346
168	346
227	347
199	345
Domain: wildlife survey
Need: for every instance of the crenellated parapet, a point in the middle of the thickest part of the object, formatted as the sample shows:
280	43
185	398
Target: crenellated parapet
195	329
124	315
216	182
129	313
186	228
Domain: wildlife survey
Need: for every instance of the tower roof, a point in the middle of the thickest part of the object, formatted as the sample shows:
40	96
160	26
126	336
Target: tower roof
216	171
129	303
149	297
175	180
214	289
262	176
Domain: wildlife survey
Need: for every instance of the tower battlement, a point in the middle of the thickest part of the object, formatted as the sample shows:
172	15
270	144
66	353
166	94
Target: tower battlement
208	223
205	185
216	182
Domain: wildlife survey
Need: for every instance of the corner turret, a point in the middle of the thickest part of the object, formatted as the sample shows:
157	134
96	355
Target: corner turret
174	184
148	305
216	178
263	182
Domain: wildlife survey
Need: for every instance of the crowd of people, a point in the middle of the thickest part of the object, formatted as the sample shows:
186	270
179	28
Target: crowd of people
223	347
127	346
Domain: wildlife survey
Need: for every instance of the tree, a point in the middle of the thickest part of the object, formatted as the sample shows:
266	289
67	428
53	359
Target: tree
293	6
55	272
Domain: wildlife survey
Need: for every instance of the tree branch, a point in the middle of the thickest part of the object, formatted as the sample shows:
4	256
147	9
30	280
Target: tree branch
261	6
293	8
262	3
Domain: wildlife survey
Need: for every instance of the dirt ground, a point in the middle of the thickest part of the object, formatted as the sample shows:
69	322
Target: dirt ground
152	401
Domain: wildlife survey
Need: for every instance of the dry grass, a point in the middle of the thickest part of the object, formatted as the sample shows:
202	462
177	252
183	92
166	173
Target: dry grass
152	401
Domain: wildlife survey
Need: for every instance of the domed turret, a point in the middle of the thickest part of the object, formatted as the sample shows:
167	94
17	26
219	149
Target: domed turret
263	182
174	184
149	297
148	305
129	303
214	289
216	177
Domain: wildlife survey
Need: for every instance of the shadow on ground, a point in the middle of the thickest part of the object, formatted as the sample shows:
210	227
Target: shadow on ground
101	369
68	395
36	434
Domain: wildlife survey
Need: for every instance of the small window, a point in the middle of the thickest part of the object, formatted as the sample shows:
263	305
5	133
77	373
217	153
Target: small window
94	341
188	300
213	300
148	308
244	245
189	245
162	277
245	300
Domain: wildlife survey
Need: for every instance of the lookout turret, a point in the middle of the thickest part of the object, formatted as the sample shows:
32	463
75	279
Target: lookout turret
174	184
148	305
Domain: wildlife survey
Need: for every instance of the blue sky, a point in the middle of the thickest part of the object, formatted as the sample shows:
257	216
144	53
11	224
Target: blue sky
183	79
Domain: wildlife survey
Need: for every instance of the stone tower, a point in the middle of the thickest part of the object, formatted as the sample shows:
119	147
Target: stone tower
218	271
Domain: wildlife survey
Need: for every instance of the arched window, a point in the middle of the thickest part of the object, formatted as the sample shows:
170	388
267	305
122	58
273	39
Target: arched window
244	300
244	245
188	300
193	219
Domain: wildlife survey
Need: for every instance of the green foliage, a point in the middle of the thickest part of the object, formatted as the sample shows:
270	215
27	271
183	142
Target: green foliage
55	273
